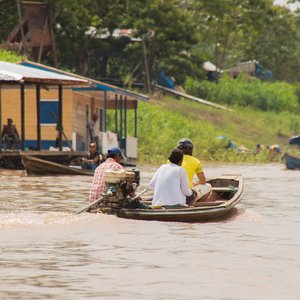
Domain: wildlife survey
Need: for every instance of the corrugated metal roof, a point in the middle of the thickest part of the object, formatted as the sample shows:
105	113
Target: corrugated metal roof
10	72
96	85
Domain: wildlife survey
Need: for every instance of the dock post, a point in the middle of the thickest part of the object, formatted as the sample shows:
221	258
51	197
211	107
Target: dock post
38	117
22	91
60	113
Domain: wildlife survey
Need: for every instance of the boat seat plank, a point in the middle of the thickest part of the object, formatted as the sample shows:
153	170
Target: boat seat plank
224	189
214	203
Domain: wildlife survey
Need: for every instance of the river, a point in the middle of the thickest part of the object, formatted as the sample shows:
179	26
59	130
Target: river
48	252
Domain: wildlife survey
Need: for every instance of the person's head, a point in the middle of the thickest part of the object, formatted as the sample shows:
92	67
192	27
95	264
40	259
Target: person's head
176	157
116	153
9	121
95	117
186	146
93	147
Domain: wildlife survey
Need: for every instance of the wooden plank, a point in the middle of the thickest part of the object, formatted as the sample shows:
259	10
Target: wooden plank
224	189
202	101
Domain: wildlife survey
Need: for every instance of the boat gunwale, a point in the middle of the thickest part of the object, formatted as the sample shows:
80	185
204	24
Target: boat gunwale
186	211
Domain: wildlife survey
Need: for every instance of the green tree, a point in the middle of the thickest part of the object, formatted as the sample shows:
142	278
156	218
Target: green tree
168	31
233	31
8	18
276	43
71	21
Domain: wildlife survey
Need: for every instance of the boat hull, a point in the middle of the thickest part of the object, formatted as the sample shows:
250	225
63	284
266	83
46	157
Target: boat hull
227	192
36	166
291	162
188	215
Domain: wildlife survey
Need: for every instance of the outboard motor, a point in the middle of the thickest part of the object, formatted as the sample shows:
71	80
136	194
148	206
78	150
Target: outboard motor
120	186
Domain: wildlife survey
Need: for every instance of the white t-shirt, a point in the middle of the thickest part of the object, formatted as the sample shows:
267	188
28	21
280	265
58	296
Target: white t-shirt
170	184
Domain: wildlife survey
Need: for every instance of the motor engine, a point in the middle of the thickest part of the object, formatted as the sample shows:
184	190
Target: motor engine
120	186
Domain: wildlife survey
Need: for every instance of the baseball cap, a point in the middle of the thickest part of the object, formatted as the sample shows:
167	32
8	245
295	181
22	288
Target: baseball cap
117	151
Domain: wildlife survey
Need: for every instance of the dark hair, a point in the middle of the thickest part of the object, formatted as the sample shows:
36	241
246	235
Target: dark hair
112	155
187	151
176	156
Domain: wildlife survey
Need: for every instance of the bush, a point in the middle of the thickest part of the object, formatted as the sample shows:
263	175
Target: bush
10	56
247	91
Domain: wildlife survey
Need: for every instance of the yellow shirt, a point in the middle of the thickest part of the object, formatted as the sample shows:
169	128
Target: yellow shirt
192	165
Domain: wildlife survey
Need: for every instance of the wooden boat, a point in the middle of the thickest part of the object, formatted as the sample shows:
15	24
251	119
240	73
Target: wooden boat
227	191
291	162
36	166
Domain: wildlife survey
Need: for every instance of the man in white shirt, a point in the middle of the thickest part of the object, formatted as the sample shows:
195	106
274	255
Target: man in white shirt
170	182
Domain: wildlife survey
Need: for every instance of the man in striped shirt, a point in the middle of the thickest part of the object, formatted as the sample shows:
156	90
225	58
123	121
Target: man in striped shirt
112	162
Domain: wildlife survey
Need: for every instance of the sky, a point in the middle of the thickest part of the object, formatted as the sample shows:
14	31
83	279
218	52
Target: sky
292	6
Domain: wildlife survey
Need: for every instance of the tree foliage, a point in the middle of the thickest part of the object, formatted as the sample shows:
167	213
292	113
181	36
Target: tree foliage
8	18
179	36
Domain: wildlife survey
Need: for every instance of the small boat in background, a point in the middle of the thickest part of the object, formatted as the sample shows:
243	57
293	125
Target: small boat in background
291	162
36	166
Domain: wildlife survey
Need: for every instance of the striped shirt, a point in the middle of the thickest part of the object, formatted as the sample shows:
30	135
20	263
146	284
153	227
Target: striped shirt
98	184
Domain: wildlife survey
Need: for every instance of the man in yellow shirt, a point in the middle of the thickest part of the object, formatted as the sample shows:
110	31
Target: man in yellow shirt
193	166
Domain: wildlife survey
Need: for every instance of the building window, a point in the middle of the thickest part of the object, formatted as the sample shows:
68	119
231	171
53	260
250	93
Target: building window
49	111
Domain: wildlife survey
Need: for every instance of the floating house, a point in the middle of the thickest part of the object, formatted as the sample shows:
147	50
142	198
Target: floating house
50	116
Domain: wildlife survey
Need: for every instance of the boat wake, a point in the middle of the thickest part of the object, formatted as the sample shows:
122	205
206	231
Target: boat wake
21	219
247	215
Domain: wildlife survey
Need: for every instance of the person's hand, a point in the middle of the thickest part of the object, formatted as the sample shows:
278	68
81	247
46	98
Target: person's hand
194	194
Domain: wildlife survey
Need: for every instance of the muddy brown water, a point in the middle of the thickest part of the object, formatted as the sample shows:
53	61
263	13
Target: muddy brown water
48	252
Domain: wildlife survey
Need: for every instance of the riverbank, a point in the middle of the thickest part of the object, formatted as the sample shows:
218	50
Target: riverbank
164	120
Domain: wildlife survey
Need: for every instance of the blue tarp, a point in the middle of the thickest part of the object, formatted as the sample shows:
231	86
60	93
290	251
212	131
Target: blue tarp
165	81
261	73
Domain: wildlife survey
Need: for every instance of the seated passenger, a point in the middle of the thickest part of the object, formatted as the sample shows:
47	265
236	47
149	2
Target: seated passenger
170	182
192	166
10	135
93	159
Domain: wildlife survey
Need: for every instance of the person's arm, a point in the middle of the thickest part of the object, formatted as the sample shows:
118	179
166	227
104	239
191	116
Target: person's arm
201	177
184	183
94	160
16	131
200	174
4	130
154	178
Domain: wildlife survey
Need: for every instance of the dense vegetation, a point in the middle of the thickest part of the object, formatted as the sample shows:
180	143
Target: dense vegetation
178	36
10	56
248	91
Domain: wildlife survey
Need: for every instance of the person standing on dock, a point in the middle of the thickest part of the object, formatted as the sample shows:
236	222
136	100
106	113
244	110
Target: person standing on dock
192	166
94	130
